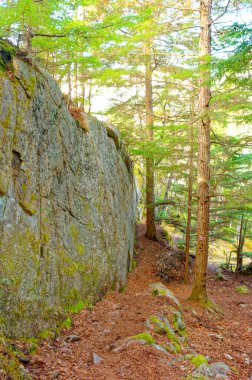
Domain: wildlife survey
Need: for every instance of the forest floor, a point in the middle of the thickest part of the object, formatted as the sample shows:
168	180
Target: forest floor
222	338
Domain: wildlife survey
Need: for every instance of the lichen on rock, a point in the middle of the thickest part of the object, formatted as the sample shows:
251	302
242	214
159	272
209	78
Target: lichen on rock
67	204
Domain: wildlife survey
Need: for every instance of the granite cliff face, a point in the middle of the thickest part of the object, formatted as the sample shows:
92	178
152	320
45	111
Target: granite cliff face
67	203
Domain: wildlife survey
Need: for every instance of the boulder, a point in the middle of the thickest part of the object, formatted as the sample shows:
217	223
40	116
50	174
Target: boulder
67	203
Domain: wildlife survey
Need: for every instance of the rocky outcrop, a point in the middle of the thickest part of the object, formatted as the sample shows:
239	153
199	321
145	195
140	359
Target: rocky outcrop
67	203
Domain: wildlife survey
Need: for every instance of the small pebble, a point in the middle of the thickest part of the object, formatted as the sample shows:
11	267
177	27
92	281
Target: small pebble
54	375
72	338
229	357
96	358
66	350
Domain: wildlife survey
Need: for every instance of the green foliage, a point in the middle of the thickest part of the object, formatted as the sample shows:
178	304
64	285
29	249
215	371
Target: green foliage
123	289
80	306
242	289
44	334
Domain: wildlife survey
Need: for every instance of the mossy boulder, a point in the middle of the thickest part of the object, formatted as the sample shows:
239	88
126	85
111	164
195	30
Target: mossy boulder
179	324
162	326
61	241
7	51
213	371
158	289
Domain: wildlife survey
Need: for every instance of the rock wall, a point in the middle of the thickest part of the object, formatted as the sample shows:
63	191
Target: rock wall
67	203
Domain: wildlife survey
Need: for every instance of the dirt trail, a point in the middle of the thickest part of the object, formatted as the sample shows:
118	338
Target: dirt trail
121	315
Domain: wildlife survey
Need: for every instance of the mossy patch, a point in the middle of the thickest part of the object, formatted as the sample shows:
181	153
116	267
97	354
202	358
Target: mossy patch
144	336
80	306
211	306
170	347
198	360
12	368
6	53
179	324
241	289
10	365
158	289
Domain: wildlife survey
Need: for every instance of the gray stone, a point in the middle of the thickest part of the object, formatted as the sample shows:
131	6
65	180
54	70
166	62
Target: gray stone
72	338
106	331
67	205
216	336
219	368
202	370
96	358
220	276
213	371
25	373
54	375
66	350
158	289
229	357
160	348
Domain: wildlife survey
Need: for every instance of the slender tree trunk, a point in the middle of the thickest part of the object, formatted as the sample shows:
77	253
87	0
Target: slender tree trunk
241	239
69	82
89	96
150	221
167	188
199	292
53	67
28	39
76	88
189	206
82	91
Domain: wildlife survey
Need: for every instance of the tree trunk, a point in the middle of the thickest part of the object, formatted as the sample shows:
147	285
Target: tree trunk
167	188
199	292
189	206
28	39
150	221
89	96
240	248
69	82
76	87
82	91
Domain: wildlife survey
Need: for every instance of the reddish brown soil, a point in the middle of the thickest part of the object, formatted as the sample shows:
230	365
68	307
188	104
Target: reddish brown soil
121	315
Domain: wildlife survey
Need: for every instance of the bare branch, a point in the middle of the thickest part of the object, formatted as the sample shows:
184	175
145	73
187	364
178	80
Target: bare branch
222	14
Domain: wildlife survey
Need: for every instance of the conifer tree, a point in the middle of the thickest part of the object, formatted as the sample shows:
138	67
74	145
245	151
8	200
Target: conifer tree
199	292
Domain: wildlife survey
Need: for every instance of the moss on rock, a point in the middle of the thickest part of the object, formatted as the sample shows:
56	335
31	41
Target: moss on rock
147	337
6	53
197	360
12	369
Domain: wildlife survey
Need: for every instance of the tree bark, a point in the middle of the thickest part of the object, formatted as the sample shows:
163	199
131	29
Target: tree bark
69	82
199	292
241	240
76	85
82	91
28	39
89	96
189	206
150	211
